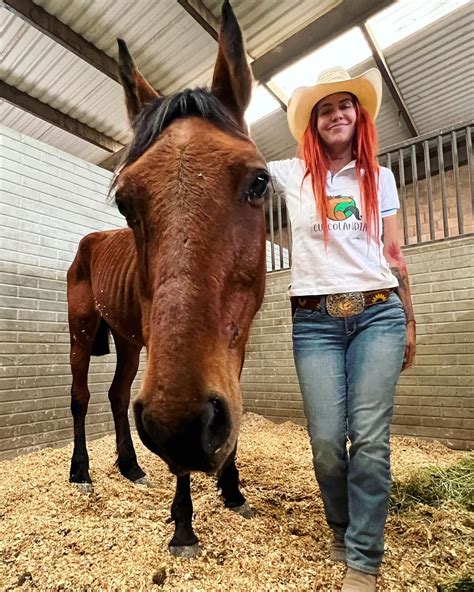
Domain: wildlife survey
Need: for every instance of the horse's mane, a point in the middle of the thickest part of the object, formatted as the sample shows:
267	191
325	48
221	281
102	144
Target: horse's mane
156	116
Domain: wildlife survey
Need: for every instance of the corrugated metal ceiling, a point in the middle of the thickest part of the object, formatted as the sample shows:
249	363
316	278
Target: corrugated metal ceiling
433	67
30	125
269	22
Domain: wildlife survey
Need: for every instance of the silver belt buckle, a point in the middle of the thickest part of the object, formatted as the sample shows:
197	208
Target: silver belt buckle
346	304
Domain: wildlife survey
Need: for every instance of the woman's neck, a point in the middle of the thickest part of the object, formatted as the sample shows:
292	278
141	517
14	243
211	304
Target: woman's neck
338	158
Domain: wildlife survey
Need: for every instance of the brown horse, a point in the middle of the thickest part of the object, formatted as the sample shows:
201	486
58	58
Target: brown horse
184	280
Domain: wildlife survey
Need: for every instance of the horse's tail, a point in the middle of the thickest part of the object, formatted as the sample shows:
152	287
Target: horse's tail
101	340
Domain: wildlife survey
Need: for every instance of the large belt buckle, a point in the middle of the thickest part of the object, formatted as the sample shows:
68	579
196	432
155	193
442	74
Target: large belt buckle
344	305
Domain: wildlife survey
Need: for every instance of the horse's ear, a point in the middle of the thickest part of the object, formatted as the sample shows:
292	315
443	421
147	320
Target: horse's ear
137	90
232	81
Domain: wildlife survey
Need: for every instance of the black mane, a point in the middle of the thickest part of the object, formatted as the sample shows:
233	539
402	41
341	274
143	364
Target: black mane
157	116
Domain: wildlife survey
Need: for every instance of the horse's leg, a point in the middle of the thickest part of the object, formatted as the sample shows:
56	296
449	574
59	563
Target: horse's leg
128	357
184	542
79	358
228	483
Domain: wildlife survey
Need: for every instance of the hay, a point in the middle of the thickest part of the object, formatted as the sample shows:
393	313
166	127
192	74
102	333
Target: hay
436	485
53	538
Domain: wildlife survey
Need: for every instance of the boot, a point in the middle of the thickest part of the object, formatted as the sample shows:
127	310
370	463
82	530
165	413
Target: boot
358	581
337	551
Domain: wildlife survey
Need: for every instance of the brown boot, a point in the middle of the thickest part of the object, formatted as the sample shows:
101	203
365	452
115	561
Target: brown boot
358	581
337	551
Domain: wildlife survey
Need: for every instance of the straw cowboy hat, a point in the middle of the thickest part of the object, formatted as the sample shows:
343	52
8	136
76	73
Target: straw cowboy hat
367	88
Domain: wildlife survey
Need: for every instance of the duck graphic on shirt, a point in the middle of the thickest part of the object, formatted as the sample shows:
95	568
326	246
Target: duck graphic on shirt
341	207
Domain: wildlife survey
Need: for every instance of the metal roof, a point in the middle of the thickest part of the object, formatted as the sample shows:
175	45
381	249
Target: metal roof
433	67
268	22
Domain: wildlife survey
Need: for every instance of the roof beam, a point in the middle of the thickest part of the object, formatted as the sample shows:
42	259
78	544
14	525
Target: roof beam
47	113
202	15
56	30
344	16
111	162
389	79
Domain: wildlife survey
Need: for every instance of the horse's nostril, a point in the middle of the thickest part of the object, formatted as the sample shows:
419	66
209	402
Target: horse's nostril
192	443
215	425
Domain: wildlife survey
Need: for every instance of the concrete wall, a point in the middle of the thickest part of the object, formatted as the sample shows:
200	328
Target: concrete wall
48	201
435	397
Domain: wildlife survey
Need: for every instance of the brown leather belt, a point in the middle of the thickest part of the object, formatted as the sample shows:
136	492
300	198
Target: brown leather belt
343	305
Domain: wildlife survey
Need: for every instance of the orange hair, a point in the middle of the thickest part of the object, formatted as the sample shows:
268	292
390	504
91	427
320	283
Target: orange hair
364	148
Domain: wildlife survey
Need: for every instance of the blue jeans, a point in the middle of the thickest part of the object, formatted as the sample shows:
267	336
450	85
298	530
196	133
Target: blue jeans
348	370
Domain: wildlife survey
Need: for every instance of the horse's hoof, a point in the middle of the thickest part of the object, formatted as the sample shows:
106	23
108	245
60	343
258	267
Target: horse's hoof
187	551
143	481
244	510
84	487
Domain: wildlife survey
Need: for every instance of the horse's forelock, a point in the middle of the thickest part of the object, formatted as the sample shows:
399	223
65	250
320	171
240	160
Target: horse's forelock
160	113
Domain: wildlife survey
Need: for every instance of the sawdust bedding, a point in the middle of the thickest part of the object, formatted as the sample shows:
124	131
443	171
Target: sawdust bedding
54	538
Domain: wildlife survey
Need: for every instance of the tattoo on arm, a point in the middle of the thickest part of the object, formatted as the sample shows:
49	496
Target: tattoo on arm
398	274
399	270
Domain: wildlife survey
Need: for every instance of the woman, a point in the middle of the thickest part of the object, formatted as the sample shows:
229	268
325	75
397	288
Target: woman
353	323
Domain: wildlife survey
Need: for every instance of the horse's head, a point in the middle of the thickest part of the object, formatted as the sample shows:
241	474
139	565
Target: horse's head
192	189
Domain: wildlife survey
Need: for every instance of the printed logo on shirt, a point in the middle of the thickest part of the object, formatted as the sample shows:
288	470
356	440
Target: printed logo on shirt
341	207
339	210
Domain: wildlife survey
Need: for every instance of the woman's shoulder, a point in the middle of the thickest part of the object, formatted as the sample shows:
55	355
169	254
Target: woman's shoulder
283	170
286	162
385	173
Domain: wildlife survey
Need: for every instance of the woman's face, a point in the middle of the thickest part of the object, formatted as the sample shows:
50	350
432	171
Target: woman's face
336	120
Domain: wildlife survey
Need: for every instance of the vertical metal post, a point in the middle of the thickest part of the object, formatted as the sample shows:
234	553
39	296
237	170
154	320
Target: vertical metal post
414	170
454	149
272	233
429	188
470	164
280	229
403	195
290	236
442	178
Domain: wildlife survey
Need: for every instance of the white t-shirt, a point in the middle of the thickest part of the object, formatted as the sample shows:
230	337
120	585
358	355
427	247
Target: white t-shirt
349	263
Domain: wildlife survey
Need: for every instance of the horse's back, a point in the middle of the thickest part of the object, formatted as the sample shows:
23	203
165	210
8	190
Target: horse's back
106	266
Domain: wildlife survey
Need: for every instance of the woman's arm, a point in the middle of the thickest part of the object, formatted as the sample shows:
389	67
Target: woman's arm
394	256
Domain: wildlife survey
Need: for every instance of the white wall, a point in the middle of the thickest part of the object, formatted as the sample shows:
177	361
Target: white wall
48	201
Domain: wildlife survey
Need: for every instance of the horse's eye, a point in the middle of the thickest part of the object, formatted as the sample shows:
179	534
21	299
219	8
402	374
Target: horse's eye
258	189
125	210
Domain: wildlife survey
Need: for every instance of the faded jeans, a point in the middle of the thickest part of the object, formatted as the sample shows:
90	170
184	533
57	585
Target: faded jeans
348	370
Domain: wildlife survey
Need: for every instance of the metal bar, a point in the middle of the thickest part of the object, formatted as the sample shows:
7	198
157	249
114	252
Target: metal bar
442	177
389	79
454	149
280	228
470	164
47	113
429	136
416	195
429	188
272	232
290	237
403	195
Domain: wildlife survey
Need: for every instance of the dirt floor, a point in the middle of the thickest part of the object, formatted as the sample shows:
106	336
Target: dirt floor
54	538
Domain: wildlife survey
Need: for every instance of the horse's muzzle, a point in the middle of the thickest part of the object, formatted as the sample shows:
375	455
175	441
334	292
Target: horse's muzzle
196	442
